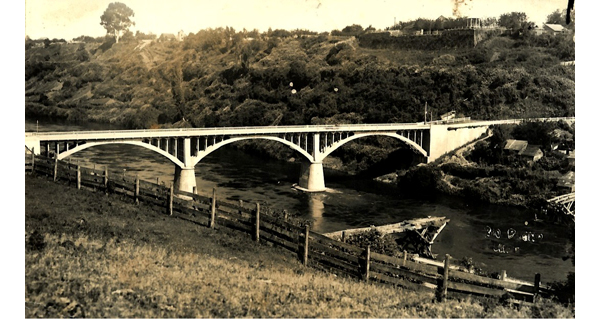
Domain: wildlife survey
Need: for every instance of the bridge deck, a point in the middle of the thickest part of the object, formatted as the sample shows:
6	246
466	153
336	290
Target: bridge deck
249	130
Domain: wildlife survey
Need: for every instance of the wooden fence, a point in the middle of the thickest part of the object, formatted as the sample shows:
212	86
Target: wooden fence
313	249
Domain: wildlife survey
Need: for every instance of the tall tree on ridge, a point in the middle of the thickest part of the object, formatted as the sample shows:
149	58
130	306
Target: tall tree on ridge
117	19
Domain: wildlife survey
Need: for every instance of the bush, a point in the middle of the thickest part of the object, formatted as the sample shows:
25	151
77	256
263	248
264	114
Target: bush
421	181
445	59
35	241
380	243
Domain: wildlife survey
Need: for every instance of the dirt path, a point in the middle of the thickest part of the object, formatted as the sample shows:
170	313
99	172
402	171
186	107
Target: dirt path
144	53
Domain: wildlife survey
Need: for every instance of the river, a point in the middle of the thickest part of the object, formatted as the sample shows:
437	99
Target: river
354	202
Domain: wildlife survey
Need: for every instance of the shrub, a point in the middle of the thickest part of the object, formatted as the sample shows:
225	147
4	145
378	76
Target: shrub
444	60
380	243
35	241
421	181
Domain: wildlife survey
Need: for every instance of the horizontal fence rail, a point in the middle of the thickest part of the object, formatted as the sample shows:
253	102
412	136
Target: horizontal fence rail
313	249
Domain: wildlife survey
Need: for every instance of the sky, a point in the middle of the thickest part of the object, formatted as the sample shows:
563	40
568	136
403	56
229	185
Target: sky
68	19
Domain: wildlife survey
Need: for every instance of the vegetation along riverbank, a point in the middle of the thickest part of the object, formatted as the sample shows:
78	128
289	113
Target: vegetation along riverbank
97	255
493	171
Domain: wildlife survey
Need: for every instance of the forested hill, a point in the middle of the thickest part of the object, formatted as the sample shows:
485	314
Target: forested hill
223	78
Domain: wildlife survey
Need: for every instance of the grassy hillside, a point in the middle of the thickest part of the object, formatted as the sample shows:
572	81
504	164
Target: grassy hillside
96	255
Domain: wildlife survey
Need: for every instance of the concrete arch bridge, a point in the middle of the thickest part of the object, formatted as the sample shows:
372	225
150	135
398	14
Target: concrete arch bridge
186	147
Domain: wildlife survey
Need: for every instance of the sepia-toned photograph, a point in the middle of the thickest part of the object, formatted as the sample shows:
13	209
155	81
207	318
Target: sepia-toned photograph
299	159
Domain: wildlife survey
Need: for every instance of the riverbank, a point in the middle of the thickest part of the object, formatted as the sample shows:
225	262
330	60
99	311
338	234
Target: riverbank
486	171
98	255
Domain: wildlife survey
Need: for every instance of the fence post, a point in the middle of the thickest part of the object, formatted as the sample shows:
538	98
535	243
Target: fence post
78	177
55	168
343	236
444	290
213	208
32	160
367	254
536	286
305	255
171	199
503	275
404	258
257	223
137	189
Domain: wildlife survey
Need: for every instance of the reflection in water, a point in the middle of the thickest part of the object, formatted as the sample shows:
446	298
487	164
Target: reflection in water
316	207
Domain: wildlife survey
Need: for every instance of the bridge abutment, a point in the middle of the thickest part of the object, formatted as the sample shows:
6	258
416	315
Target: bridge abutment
33	144
312	178
445	138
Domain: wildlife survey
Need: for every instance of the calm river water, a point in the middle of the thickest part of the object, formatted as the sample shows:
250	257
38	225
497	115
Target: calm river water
355	203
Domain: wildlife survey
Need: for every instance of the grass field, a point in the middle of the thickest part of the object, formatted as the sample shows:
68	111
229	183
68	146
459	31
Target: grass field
96	255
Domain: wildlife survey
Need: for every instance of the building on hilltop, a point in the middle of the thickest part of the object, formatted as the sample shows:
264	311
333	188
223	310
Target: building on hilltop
554	29
515	145
172	37
523	149
180	35
167	37
473	23
532	153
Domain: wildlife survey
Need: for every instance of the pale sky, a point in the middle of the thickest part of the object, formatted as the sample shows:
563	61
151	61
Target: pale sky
71	18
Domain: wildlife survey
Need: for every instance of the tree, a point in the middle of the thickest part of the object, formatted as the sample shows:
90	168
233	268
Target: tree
116	19
489	22
560	17
516	22
557	17
354	29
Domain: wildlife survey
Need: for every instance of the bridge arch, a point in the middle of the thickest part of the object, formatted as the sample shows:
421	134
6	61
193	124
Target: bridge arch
214	147
355	136
81	147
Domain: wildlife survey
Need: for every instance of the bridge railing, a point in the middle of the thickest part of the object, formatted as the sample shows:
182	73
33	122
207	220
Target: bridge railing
292	128
454	120
278	129
569	196
293	234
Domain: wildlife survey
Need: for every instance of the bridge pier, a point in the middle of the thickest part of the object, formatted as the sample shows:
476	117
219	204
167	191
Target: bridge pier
312	178
185	179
